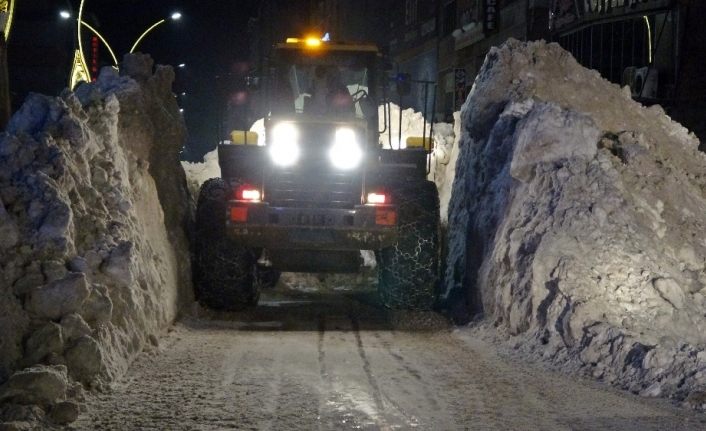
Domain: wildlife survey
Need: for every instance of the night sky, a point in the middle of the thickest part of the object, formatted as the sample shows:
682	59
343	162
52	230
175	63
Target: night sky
211	39
210	31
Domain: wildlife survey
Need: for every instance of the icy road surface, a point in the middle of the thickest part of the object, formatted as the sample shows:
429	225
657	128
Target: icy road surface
333	360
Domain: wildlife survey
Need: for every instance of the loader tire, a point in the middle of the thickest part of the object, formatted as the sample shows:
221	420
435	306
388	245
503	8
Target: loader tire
224	270
408	271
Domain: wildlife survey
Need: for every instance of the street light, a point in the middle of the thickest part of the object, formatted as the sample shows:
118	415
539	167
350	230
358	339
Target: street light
105	42
79	70
176	16
65	15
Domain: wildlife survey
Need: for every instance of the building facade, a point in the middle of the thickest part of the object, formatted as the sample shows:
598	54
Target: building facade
413	48
469	29
447	41
354	21
653	46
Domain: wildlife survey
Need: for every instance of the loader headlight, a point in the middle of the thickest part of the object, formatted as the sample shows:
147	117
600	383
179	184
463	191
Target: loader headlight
284	148
345	152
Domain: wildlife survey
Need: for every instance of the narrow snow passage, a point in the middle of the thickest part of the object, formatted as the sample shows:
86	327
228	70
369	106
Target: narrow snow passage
332	360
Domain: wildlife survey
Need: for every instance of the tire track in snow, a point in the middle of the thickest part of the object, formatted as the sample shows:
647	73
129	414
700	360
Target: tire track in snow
321	327
414	372
326	385
377	395
223	374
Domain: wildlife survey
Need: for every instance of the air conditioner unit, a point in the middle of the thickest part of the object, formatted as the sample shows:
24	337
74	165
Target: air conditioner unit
643	81
628	76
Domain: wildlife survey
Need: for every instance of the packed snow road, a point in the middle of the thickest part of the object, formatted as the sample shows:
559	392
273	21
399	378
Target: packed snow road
334	360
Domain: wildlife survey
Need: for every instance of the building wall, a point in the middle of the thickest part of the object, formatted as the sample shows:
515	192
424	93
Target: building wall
678	39
661	38
421	67
413	46
463	49
356	21
613	40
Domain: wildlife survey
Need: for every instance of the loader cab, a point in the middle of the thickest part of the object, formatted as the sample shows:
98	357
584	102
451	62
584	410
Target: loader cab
325	82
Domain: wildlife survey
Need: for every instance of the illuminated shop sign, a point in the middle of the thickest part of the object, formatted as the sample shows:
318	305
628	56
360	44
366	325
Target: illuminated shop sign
490	16
608	6
564	13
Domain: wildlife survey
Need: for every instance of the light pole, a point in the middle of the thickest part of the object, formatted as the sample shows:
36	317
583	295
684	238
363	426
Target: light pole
79	70
67	15
176	16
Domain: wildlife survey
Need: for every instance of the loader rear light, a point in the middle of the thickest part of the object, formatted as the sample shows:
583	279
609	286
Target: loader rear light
247	192
251	195
239	214
376	198
385	217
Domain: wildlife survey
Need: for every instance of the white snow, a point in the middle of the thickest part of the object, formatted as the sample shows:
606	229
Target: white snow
443	158
198	172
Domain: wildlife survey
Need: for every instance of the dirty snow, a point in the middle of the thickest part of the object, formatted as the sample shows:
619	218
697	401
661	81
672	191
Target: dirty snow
93	253
576	224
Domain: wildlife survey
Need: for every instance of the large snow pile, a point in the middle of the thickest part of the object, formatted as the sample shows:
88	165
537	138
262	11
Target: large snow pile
577	223
93	252
443	161
198	172
443	158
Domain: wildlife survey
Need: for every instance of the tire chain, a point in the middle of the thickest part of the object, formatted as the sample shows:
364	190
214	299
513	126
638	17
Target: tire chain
409	270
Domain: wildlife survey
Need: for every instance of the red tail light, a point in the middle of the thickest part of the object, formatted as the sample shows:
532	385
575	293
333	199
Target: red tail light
247	192
376	198
239	214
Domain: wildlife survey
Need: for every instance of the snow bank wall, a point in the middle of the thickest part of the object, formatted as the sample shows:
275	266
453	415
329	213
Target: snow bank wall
577	222
93	250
